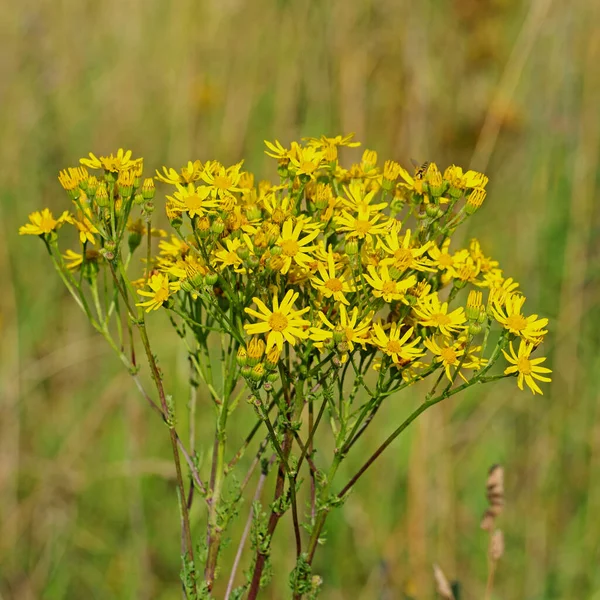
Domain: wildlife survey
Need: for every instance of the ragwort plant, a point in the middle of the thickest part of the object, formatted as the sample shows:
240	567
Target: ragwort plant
321	295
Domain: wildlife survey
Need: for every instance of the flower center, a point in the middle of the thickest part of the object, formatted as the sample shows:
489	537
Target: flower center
278	216
524	365
362	227
394	347
389	287
403	259
516	322
161	295
440	319
445	260
193	203
334	284
222	183
308	167
290	247
278	321
448	355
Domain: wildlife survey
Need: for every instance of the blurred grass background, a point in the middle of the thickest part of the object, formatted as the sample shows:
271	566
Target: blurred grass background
87	507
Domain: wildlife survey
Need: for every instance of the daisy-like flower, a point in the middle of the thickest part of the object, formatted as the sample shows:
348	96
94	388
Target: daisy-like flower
433	313
112	163
403	255
510	317
85	226
42	222
188	174
229	257
444	261
277	151
361	225
349	328
159	294
396	345
222	182
385	287
74	260
307	161
192	200
449	353
461	181
528	369
359	200
331	284
485	263
294	249
281	323
338	140
71	178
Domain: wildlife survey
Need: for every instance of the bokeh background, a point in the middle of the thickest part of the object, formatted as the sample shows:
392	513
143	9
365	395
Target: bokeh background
510	87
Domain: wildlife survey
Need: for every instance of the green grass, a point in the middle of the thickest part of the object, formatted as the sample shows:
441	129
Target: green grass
87	504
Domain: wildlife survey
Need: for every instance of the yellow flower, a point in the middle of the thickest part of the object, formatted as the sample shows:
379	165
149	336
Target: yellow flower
75	260
449	353
159	284
188	174
294	249
351	330
359	200
43	222
229	257
338	140
387	288
395	345
221	181
445	261
433	313
307	161
120	162
403	255
281	323
471	179
192	200
527	368
529	328
362	226
331	284
71	178
279	152
85	226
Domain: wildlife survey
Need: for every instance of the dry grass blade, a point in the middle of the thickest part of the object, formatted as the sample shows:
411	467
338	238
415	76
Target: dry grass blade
441	582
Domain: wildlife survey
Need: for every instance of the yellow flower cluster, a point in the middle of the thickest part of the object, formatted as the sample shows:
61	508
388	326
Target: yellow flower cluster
342	262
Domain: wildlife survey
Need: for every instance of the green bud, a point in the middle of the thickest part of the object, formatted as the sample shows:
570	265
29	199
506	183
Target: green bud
258	372
101	197
351	247
134	240
276	251
243	252
211	278
218	226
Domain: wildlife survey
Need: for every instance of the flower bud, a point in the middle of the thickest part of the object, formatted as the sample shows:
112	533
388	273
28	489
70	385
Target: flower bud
331	153
431	210
242	357
202	226
211	278
218	226
474	305
148	189
351	247
134	240
253	213
245	371
255	351
138	199
102	196
258	372
474	329
369	160
434	180
92	187
272	358
273	377
276	251
475	200
253	261
243	252
391	171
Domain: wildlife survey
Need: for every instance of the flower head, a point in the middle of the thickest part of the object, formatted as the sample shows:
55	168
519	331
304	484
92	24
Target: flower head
527	368
283	323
